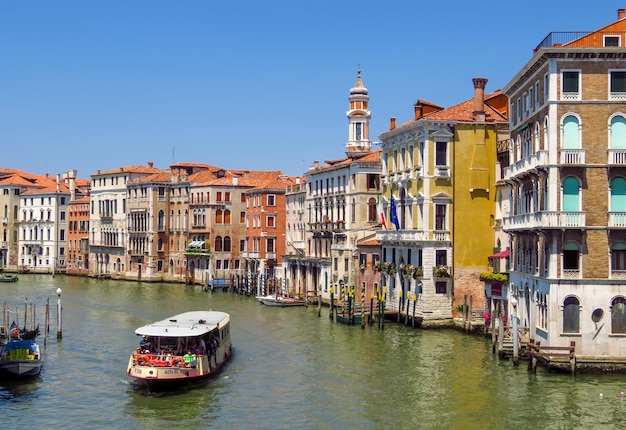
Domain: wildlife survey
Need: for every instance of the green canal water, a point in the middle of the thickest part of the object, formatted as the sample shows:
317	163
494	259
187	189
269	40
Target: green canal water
290	370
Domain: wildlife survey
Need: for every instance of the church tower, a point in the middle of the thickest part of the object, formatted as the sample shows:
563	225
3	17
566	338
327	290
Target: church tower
359	119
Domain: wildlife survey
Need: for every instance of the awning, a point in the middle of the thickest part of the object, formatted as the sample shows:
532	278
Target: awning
502	254
196	244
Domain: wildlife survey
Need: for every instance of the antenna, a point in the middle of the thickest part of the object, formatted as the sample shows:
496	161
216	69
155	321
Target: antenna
173	154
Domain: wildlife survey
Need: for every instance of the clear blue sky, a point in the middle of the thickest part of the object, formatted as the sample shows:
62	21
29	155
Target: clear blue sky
262	85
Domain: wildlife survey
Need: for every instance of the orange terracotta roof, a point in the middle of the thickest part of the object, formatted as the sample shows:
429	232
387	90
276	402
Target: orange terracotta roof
461	112
16	180
129	169
48	189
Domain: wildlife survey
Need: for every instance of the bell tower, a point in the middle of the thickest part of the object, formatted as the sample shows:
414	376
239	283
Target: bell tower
358	119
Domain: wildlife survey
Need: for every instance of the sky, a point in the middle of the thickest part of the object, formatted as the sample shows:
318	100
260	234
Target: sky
261	85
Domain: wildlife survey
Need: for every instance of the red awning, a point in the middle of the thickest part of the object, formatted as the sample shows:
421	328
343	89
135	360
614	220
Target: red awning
502	254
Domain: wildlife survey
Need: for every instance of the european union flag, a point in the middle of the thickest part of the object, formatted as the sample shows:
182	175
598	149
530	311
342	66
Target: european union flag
393	216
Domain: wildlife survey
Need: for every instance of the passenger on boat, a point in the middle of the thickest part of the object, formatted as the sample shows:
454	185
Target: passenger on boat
190	359
201	349
145	346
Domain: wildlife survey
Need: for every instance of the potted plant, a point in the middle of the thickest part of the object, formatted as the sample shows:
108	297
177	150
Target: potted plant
418	272
441	272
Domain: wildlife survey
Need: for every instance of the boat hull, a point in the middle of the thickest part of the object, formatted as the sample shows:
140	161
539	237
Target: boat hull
20	368
280	301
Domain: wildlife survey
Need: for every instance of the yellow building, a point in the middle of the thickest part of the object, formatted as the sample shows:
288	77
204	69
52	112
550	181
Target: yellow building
439	173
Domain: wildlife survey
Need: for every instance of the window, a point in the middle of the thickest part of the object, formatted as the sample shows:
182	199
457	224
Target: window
227	196
441	287
271	221
440	217
270	244
618	257
227	217
441	156
372	212
218	244
618	315
226	243
571	194
218	216
242	245
242	217
618	196
271	200
218	196
372	181
570	85
441	257
617	85
571	315
570	256
618	135
611	41
570	132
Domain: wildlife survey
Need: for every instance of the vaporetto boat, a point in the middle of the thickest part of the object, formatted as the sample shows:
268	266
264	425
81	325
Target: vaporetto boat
181	349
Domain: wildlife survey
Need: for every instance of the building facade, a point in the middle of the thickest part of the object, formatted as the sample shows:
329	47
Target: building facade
567	176
439	200
340	195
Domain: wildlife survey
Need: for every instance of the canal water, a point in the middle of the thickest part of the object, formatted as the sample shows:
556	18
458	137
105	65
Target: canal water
290	370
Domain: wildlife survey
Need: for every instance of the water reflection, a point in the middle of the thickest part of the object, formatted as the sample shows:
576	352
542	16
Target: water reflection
19	390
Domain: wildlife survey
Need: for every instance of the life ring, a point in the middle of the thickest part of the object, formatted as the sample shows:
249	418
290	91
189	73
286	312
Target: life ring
178	362
142	360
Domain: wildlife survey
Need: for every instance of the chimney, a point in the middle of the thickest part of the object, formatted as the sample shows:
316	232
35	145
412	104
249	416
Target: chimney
419	109
479	99
620	14
316	164
392	123
150	164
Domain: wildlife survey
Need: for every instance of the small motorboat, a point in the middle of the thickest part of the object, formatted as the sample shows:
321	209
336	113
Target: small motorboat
4	277
21	356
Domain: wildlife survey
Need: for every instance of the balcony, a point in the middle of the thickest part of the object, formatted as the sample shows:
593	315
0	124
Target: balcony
617	157
617	219
545	219
572	156
442	171
540	158
412	235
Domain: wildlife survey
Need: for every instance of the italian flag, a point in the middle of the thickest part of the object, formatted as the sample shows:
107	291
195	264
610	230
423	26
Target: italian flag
379	205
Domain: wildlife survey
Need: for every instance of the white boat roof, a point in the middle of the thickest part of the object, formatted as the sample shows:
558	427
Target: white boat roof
194	323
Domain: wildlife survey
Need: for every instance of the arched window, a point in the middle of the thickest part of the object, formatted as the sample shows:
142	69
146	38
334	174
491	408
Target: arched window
570	256
226	243
218	244
571	315
537	137
571	197
618	256
226	216
571	133
618	195
372	214
617	139
218	217
545	133
161	220
618	315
